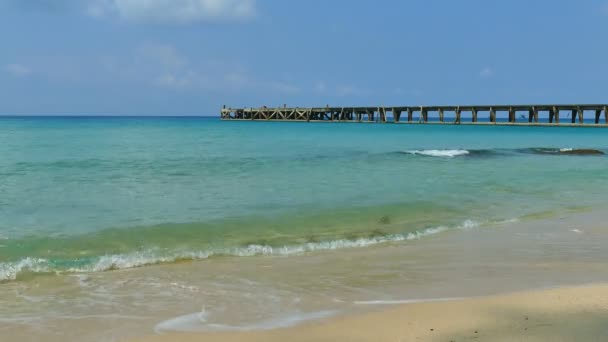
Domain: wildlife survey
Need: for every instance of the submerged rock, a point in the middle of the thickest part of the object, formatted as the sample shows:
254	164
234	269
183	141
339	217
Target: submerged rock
565	151
581	151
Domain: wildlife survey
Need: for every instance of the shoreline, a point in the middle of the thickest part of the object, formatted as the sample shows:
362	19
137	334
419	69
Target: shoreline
317	296
570	313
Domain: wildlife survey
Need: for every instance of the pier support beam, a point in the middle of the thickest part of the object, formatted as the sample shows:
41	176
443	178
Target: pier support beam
396	115
458	111
474	114
556	114
573	116
530	115
598	113
580	115
511	115
606	115
410	115
382	114
424	115
492	115
440	114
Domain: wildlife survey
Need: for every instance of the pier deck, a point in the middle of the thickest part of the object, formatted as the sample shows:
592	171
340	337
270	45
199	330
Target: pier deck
528	114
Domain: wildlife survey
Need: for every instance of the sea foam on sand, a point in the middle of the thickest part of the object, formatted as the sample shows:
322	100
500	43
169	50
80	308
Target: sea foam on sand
558	314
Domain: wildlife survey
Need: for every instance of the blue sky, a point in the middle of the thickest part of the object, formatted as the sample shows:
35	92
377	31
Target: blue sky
189	57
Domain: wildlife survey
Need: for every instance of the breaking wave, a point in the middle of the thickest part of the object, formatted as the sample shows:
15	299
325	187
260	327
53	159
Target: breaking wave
452	153
439	153
10	271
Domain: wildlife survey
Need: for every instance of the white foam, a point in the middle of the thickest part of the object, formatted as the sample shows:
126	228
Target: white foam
83	279
406	301
440	153
469	224
198	322
567	149
10	270
507	221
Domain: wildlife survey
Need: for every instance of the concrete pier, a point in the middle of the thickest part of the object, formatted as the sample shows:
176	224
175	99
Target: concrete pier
528	114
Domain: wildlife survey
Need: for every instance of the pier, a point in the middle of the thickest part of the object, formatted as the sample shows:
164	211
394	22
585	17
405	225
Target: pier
573	114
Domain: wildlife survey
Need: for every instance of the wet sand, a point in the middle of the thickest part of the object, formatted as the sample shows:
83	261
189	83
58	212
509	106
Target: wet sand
559	314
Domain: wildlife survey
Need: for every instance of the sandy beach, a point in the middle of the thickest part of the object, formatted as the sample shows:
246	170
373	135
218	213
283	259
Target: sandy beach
559	314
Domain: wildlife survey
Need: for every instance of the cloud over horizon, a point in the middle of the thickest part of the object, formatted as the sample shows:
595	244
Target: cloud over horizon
17	70
486	72
172	11
145	11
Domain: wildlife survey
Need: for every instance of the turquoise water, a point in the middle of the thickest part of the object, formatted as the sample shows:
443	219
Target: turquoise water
96	194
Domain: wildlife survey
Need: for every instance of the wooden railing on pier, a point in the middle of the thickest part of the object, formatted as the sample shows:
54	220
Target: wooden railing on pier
528	114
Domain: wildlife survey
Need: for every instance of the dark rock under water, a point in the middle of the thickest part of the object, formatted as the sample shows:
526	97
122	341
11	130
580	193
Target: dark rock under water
582	151
565	151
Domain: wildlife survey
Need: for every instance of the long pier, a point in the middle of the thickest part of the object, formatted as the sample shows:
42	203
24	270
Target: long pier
528	114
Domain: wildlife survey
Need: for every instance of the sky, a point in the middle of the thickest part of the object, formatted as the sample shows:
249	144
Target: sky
190	57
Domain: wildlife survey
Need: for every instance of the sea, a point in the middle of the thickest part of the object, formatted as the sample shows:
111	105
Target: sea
112	227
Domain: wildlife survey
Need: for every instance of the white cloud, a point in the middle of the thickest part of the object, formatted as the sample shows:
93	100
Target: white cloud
97	9
164	55
163	65
238	80
280	87
486	72
339	89
350	90
174	81
17	70
321	87
172	11
407	92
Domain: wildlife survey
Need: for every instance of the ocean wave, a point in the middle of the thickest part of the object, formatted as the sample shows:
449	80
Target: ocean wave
10	271
439	153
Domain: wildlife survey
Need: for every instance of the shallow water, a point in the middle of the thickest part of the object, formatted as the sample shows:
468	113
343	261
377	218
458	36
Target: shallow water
254	201
92	194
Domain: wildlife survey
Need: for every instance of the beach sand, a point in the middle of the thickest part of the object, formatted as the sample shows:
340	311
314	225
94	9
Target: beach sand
558	314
